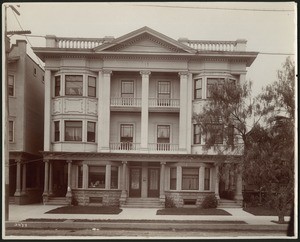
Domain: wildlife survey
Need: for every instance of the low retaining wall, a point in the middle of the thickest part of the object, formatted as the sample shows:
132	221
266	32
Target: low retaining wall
97	197
177	198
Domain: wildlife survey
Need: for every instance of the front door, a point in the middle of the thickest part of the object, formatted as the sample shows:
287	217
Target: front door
135	182
153	182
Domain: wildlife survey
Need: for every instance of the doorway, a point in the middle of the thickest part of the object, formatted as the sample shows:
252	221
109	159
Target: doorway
135	182
153	182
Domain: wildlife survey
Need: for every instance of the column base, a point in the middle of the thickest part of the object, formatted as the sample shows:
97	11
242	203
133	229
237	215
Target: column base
45	198
239	199
69	197
162	199
17	194
217	196
123	198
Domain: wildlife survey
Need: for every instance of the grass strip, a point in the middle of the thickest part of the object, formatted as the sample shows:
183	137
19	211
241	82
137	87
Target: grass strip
192	211
85	210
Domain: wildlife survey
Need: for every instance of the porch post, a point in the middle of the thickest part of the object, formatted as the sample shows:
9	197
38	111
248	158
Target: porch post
23	179
162	183
123	184
107	176
201	177
145	114
18	178
217	181
69	191
51	179
239	186
46	184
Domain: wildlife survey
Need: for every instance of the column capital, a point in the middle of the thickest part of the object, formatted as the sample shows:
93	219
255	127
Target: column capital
163	162
107	72
124	162
144	72
18	161
69	161
183	73
46	160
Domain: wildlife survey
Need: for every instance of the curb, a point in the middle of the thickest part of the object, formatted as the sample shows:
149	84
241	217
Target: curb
143	225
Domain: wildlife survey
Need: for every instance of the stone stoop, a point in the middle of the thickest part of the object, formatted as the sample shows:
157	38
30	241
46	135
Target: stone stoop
56	201
224	203
142	203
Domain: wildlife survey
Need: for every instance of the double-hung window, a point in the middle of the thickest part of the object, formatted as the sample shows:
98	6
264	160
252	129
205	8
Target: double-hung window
163	137
190	178
214	83
114	177
215	133
197	134
57	86
198	89
91	131
164	93
11	85
127	92
126	136
92	86
74	85
56	131
11	131
173	178
73	130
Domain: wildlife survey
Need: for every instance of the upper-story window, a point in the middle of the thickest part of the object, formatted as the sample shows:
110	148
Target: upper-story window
57	86
163	137
197	133
164	93
126	136
92	86
11	131
74	85
198	89
56	131
91	131
11	85
215	132
212	82
73	130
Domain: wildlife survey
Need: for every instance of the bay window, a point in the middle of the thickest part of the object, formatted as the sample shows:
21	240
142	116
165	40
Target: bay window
91	131
197	134
11	131
91	86
56	131
73	130
198	89
214	82
11	85
190	178
57	86
214	133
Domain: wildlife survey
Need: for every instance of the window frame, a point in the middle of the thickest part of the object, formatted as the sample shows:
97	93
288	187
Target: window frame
117	177
174	179
87	131
207	180
56	131
198	89
217	141
11	133
126	141
190	175
57	88
219	82
197	134
127	93
80	176
94	88
102	185
73	121
67	81
13	85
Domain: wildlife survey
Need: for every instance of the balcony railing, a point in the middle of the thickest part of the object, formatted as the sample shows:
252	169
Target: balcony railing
163	147
131	102
124	146
159	102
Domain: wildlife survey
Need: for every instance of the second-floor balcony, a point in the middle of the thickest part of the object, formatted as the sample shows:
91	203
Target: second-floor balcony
127	102
136	147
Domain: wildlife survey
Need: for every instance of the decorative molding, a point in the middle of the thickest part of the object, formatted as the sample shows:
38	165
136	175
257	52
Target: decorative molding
144	72
183	73
76	108
92	106
107	72
57	106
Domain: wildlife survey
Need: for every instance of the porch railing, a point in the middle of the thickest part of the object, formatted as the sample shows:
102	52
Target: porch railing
131	102
124	146
159	102
163	147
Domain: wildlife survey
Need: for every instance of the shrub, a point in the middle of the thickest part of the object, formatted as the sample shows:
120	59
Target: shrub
210	201
169	203
74	202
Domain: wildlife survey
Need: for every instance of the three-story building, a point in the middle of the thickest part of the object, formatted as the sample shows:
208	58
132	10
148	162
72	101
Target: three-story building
118	117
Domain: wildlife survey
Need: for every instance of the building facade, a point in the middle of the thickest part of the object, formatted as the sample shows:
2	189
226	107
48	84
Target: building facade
26	127
118	118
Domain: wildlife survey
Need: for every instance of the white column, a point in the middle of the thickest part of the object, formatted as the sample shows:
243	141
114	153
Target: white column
179	178
123	183
239	185
107	176
183	111
69	193
201	177
104	110
145	113
46	176
217	181
162	182
23	179
50	178
47	111
85	172
189	113
18	179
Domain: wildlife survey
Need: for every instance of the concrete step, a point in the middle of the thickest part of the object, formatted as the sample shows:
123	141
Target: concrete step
57	201
142	203
11	200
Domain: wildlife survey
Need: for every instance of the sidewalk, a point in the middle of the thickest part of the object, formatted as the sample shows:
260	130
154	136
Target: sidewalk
18	213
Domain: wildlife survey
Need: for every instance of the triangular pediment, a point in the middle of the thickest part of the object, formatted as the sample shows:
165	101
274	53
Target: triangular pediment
145	40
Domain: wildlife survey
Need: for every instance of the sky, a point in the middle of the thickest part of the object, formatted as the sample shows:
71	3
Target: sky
268	27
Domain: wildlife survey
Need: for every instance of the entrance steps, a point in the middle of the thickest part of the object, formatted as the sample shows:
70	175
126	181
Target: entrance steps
142	203
225	203
56	201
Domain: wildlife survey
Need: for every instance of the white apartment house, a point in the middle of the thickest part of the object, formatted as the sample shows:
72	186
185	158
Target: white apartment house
118	124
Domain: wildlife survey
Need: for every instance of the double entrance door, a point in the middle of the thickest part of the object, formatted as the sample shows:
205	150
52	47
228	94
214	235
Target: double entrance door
144	182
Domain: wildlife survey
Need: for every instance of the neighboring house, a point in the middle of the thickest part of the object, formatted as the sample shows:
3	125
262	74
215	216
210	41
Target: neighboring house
26	127
118	118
